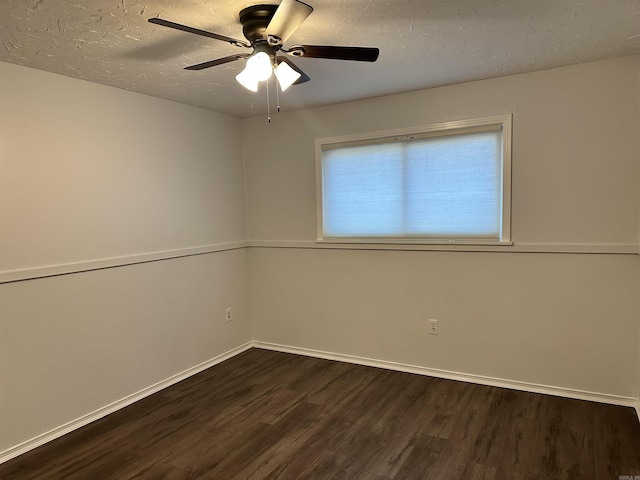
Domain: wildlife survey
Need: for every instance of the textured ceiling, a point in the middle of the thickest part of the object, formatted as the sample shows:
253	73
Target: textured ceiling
423	43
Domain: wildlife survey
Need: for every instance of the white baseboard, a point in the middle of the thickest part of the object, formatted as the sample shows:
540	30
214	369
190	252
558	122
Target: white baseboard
117	405
638	408
464	377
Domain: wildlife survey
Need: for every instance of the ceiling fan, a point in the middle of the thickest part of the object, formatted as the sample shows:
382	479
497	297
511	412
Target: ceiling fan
266	28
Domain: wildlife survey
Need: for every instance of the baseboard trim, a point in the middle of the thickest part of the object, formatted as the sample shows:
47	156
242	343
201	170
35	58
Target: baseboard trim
117	405
638	408
464	377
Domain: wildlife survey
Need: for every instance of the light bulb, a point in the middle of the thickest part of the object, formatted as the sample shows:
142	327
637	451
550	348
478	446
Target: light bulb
286	75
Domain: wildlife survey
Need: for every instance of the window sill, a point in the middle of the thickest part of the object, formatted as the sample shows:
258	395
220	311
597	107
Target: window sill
414	242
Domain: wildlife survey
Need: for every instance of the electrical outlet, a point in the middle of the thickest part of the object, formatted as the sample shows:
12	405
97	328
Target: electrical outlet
433	327
228	316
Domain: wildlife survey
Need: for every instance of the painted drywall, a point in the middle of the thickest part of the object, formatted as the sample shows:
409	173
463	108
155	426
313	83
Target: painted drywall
89	172
567	320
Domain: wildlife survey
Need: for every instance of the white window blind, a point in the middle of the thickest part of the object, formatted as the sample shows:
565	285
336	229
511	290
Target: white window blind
440	185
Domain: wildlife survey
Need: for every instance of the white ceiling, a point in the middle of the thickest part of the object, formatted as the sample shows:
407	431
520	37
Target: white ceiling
423	43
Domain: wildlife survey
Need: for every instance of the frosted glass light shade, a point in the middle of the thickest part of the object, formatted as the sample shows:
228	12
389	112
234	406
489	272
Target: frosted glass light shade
260	66
286	75
247	79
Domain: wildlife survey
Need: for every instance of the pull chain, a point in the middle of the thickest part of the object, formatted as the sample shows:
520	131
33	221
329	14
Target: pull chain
277	97
268	106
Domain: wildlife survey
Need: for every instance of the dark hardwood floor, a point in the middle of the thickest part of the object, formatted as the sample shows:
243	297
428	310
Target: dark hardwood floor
269	415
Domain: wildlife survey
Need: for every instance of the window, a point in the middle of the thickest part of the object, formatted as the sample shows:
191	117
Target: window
437	184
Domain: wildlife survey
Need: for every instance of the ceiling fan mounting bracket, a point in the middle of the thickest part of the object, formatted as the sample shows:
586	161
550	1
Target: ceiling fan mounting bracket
255	19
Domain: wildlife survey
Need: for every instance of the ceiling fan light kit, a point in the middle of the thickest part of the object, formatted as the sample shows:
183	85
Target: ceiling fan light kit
266	28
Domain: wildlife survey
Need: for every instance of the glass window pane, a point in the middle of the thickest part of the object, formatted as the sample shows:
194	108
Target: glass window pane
362	191
453	186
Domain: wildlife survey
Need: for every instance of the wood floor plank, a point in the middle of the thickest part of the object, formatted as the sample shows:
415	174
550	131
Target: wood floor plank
494	439
271	415
475	471
423	459
471	422
76	451
564	441
617	442
308	464
520	439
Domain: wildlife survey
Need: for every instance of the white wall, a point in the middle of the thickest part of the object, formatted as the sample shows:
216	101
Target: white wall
89	173
561	318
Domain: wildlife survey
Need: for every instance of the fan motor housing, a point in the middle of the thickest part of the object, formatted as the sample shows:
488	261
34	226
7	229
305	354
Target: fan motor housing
255	19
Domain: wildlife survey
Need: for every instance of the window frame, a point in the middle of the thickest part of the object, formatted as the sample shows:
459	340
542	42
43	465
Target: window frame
504	122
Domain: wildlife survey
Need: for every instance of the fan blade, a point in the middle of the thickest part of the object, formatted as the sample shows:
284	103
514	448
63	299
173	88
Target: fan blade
359	54
204	33
288	17
219	61
303	76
